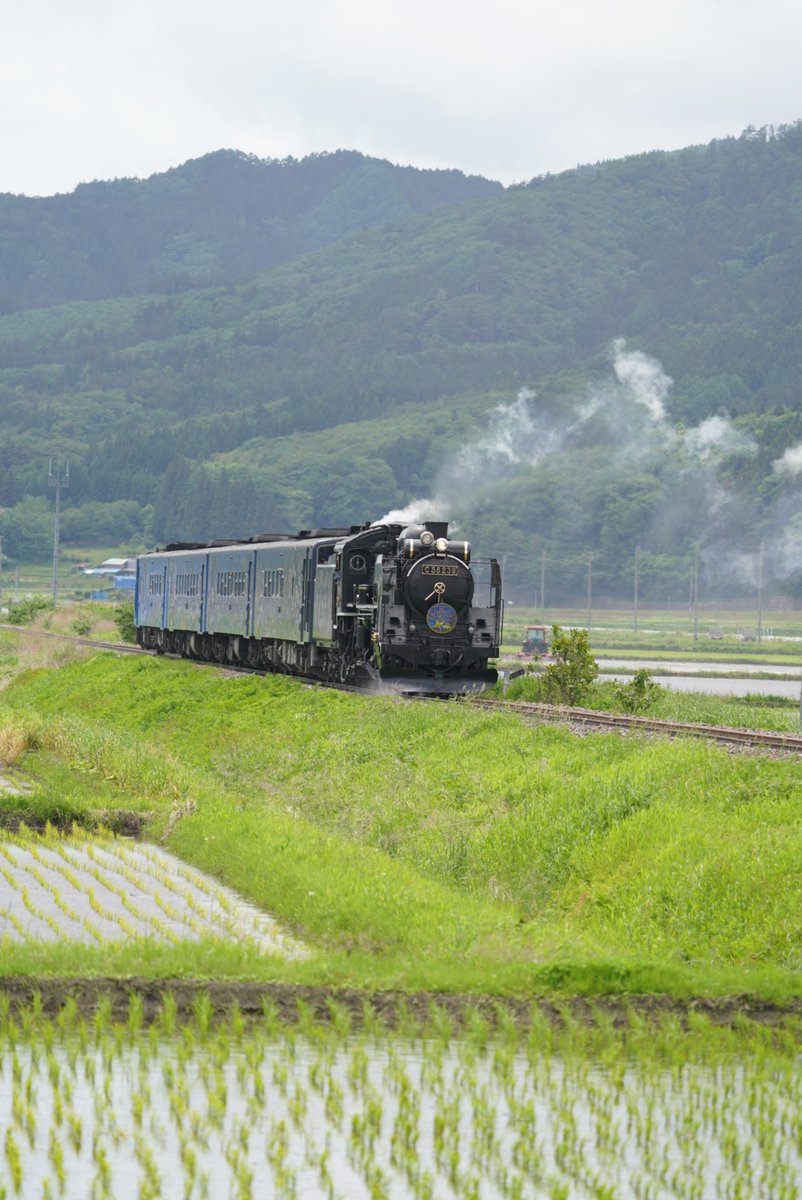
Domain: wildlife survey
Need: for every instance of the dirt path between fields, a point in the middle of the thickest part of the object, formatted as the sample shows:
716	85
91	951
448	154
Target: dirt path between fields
393	1009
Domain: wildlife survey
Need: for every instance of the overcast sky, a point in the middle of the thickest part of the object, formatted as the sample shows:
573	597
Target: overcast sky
93	89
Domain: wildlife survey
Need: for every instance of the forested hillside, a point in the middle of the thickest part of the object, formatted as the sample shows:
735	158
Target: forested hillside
347	380
213	220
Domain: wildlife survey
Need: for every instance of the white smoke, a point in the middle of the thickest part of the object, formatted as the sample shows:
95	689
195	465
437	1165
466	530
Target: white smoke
718	435
644	377
724	563
649	386
510	427
511	439
791	461
522	433
414	513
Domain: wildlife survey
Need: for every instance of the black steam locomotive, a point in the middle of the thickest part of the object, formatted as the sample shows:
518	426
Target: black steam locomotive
373	604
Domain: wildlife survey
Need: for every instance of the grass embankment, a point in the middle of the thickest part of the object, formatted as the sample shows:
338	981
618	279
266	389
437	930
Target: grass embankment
423	846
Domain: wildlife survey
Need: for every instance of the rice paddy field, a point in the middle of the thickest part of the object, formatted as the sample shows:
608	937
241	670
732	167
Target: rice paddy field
96	890
728	635
92	1107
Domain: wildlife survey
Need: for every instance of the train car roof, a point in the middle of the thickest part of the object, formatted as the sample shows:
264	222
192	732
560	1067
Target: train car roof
191	549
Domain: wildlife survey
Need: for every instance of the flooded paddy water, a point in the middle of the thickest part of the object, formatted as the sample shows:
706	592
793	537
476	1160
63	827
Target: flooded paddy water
711	677
100	889
90	1108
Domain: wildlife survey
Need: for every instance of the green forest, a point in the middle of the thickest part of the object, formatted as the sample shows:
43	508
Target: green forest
590	363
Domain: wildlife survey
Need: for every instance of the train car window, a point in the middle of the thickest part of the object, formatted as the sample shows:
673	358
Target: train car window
186	584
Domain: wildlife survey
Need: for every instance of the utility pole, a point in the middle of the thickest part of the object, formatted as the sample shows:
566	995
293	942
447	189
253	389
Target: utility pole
635	606
1	568
56	480
760	593
695	591
590	584
543	585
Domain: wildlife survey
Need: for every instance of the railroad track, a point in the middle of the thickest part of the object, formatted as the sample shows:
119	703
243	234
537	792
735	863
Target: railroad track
92	643
587	718
578	718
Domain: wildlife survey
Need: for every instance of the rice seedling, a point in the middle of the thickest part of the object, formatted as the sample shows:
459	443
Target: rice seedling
201	1107
94	888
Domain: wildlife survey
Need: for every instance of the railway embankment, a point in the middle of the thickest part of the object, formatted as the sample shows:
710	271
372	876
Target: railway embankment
417	847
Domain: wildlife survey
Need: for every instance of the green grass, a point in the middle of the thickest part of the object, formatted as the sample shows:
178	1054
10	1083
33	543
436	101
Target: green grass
428	845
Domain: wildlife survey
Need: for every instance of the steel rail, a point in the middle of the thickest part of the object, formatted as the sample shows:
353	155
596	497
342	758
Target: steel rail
93	643
627	723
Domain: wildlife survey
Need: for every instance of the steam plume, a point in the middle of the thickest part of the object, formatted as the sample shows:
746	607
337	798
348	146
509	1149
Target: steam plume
645	378
791	461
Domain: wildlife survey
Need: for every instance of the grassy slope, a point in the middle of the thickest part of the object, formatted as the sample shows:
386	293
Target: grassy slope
426	845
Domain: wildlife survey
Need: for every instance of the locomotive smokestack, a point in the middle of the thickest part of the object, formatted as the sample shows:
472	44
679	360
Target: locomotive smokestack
438	528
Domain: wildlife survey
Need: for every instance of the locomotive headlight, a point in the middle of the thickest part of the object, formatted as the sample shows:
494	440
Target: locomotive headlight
427	537
413	629
441	545
471	630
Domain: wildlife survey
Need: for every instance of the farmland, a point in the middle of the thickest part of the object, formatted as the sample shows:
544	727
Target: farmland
445	888
93	1105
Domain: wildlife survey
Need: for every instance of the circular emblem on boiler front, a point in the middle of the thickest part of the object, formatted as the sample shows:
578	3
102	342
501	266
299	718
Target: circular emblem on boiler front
441	618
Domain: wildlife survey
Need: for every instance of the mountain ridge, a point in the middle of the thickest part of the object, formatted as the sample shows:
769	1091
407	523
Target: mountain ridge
211	220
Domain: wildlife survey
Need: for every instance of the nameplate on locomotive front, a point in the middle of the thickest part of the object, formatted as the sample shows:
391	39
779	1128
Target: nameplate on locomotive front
445	569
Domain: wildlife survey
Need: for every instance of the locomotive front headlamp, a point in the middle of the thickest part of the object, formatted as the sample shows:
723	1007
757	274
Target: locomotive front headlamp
427	537
441	545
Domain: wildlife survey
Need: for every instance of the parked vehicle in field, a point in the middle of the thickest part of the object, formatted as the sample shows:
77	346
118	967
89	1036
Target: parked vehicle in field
535	643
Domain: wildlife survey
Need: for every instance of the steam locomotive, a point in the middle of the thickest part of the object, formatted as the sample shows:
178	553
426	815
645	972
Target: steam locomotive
371	605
